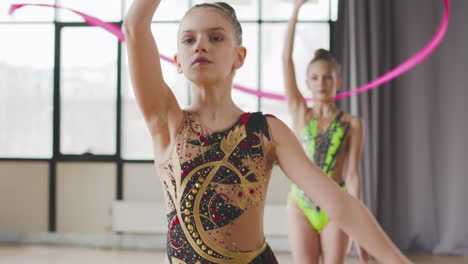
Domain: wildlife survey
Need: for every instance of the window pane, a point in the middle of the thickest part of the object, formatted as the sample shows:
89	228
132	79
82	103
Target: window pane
334	10
26	88
282	9
245	9
309	37
88	91
28	13
137	142
247	76
107	10
171	10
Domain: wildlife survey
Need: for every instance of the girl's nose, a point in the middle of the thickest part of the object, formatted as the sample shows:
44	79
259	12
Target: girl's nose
201	45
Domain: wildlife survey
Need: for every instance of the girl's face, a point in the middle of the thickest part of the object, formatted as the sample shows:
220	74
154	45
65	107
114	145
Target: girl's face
323	81
207	47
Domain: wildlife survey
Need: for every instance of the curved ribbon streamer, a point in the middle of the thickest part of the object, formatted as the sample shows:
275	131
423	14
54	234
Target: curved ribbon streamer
88	19
392	74
387	77
409	63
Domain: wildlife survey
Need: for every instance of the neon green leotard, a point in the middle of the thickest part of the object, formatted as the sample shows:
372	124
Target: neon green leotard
323	149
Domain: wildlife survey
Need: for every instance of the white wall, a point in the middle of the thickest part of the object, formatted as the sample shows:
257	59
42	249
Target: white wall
24	196
141	183
85	192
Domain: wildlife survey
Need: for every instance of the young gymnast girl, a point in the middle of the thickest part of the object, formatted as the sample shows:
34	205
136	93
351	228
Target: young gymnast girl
214	160
333	140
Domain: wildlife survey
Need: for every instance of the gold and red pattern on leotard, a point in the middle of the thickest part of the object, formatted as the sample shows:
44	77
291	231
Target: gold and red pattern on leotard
211	181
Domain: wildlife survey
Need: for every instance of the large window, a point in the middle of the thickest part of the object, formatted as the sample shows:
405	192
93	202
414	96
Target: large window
67	84
65	90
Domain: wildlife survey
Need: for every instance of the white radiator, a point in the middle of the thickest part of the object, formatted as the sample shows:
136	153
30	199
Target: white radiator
150	217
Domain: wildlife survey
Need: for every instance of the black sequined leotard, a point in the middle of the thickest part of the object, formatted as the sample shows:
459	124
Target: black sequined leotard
215	190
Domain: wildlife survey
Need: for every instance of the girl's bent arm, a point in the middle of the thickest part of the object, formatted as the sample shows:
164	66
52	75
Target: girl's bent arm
353	168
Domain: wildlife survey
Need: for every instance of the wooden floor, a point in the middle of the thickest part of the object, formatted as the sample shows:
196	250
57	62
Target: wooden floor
73	255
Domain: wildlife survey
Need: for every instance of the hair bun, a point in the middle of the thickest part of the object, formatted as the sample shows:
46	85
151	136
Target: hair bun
323	54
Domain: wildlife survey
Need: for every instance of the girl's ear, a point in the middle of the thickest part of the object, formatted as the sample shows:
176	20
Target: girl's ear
176	61
339	82
241	54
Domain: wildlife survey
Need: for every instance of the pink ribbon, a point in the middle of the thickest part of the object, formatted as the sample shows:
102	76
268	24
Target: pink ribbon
392	74
411	62
88	19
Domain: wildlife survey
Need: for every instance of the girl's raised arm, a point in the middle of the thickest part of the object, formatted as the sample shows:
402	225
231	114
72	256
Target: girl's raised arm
158	104
296	102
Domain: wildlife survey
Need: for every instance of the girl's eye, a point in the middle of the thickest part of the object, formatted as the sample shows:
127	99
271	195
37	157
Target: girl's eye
217	38
188	41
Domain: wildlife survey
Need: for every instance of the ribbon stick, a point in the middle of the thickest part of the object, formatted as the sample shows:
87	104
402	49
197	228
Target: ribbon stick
117	31
392	74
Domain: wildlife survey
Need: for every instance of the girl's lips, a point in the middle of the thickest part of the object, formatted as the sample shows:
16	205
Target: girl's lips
201	61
